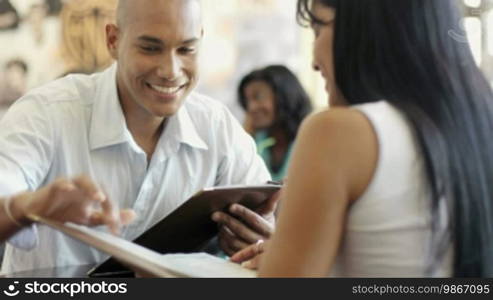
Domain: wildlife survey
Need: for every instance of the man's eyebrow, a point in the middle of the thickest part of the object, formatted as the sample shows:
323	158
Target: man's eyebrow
150	39
191	41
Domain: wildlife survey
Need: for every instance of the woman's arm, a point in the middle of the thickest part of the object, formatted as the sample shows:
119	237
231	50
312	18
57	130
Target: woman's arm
332	164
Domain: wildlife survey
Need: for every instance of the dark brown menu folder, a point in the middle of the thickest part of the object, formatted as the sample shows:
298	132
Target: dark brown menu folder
189	227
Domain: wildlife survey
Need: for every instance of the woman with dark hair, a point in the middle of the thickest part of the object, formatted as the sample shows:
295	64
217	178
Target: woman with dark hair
397	179
275	103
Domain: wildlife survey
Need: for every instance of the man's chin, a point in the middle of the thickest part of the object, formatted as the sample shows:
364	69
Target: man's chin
165	108
165	112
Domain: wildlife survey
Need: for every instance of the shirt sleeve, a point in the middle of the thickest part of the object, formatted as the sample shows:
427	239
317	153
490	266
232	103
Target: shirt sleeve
241	163
26	149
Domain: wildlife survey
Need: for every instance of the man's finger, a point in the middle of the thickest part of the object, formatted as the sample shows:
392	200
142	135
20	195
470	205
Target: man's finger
237	228
111	216
89	188
252	219
96	219
234	243
223	243
269	206
127	216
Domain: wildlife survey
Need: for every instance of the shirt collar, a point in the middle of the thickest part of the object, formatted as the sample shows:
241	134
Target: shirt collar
181	130
108	126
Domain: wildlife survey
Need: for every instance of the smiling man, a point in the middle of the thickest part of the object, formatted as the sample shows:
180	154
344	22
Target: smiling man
156	47
138	130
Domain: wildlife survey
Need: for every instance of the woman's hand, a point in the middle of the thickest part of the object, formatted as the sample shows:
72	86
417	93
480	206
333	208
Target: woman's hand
250	256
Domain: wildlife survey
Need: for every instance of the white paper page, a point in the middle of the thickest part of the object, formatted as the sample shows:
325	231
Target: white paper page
205	265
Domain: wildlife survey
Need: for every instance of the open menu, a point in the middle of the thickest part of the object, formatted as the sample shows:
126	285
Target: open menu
180	236
150	263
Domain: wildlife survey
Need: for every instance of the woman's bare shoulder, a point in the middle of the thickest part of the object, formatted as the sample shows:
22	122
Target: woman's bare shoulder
347	141
336	119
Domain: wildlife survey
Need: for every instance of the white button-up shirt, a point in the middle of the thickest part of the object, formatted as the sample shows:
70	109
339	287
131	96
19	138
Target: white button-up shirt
75	125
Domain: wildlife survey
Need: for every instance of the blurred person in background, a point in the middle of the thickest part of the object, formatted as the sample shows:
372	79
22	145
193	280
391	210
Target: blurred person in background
35	20
9	18
37	42
14	81
55	6
275	104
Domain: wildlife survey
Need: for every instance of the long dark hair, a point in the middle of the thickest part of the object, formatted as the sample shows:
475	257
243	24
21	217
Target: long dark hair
403	51
291	101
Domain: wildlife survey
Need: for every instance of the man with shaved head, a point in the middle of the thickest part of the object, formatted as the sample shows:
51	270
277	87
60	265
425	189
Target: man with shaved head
138	130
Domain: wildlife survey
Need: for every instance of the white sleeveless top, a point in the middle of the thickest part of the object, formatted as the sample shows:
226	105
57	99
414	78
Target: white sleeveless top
388	228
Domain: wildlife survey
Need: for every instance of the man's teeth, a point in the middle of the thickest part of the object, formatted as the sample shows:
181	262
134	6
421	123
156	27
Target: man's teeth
165	90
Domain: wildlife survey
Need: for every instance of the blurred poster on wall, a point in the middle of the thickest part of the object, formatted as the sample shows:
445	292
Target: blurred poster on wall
83	35
46	39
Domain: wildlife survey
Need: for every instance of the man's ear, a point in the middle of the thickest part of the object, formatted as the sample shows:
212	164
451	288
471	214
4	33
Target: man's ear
112	39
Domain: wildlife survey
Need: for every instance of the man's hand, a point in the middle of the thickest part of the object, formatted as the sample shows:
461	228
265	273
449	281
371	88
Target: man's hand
242	227
76	200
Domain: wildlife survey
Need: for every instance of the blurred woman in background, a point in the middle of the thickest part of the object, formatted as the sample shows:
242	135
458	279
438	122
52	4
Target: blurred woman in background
275	104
